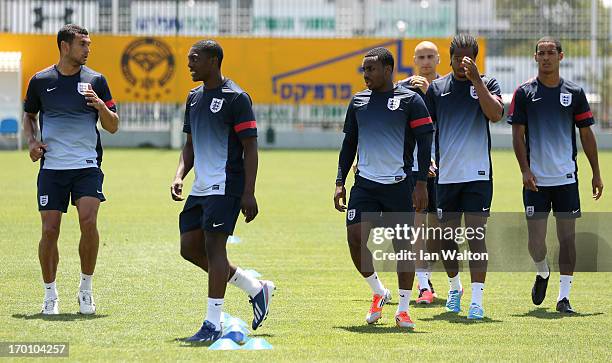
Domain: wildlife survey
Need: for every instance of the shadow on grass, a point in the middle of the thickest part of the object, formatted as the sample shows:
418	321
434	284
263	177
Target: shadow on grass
544	313
458	319
367	302
378	329
59	317
436	303
184	344
262	335
206	344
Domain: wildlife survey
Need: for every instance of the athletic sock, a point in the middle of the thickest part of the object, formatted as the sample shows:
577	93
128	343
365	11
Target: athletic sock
86	281
213	313
477	292
542	269
245	282
404	300
50	290
565	285
423	278
375	284
455	283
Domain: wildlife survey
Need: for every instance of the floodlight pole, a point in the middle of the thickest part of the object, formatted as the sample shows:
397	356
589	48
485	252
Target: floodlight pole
115	17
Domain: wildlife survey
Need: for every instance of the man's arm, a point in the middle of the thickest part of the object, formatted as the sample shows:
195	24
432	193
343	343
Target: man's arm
251	159
583	119
421	124
589	145
491	104
245	127
345	162
108	119
517	117
346	157
185	164
103	102
30	130
520	151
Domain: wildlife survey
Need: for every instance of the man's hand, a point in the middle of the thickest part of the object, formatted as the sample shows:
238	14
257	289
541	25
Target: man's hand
432	169
471	70
597	184
248	205
419	196
176	190
529	181
420	82
93	100
37	149
340	198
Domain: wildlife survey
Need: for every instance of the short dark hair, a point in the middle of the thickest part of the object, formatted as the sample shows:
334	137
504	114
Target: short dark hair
211	48
549	40
68	32
464	41
383	55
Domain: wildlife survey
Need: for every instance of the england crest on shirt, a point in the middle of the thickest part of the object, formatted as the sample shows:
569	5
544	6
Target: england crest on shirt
473	93
393	103
216	104
44	199
82	87
565	99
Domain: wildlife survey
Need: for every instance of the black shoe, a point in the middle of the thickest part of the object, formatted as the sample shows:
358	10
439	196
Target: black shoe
538	292
563	306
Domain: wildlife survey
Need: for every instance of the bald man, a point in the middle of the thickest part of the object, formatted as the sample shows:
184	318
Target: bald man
426	59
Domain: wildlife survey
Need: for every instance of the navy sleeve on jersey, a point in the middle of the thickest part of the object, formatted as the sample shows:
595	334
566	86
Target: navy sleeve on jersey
32	103
103	91
419	118
244	119
186	123
495	90
517	114
422	127
349	145
430	102
583	117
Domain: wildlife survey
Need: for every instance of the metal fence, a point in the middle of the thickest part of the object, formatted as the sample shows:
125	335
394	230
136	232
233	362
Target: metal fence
509	26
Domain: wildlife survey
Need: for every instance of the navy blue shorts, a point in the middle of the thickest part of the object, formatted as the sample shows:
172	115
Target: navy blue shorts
564	200
212	213
57	187
470	197
431	192
371	197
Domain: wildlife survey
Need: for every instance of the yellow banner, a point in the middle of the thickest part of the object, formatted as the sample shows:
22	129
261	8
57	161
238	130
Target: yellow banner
272	71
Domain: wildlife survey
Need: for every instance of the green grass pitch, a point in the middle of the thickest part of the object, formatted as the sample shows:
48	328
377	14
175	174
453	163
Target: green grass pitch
147	296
